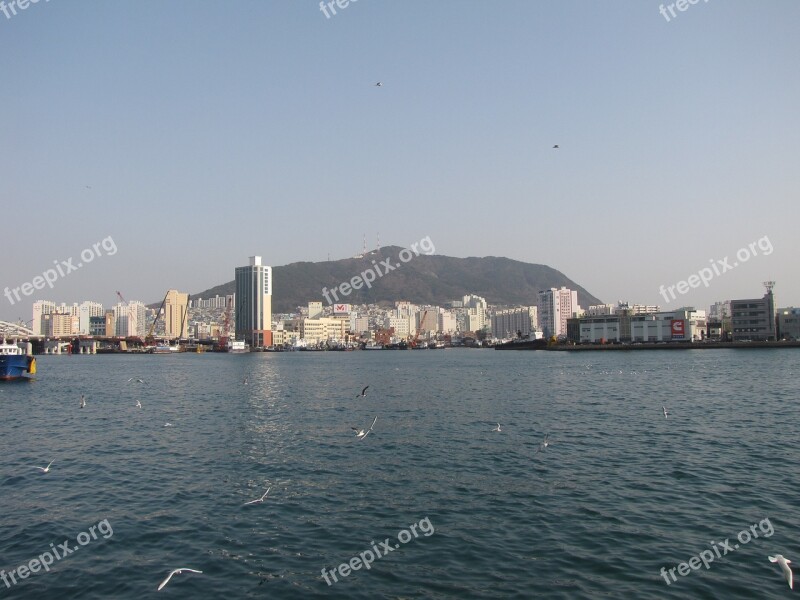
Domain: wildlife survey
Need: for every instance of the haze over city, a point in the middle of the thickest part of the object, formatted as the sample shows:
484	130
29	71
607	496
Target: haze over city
196	134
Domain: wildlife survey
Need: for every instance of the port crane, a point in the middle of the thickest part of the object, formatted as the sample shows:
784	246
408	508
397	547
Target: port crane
419	328
149	340
226	325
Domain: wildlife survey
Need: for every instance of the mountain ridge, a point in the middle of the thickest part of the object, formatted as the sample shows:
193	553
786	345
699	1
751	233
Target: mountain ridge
422	279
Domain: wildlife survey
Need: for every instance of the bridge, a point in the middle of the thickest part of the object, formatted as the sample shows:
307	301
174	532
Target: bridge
14	330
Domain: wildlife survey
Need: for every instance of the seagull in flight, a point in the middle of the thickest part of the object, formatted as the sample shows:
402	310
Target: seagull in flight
136	379
497	428
361	433
176	572
138	404
47	468
379	84
258	499
83	401
787	570
168	425
363	393
556	147
664	408
545	443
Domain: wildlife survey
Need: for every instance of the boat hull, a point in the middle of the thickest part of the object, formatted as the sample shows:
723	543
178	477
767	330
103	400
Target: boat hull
16	367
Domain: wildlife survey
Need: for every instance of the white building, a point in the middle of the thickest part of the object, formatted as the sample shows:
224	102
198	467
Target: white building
315	310
130	319
555	307
720	311
683	325
254	303
86	310
514	321
401	324
41	307
448	322
359	324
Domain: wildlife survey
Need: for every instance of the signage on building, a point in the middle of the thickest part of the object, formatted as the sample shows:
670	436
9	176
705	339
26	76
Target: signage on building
341	308
678	329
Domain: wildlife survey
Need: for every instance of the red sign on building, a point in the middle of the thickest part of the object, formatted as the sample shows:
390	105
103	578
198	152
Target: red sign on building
678	329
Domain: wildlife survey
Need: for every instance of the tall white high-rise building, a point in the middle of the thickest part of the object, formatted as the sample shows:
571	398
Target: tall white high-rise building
86	311
555	307
254	303
130	319
41	307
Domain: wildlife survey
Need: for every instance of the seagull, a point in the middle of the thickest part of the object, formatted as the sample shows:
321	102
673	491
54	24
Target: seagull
138	404
176	571
168	425
784	563
361	433
497	428
83	401
363	393
136	379
545	443
379	84
556	147
245	380
259	499
47	468
664	408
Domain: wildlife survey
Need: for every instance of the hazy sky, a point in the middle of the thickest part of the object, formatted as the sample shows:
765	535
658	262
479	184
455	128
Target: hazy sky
198	133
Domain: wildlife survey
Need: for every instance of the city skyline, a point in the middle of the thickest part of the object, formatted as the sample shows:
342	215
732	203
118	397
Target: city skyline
676	141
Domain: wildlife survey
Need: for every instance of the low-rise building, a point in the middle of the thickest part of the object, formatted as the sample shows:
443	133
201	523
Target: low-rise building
753	319
789	323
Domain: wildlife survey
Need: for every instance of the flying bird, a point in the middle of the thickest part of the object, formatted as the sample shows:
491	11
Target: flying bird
83	401
361	433
363	393
176	572
664	408
168	425
136	379
545	443
787	570
138	404
379	84
556	147
497	428
259	499
47	468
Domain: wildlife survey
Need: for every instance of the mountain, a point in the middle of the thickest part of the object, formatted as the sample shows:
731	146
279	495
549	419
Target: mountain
421	279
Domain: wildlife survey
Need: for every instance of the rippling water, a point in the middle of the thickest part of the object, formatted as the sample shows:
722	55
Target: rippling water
620	493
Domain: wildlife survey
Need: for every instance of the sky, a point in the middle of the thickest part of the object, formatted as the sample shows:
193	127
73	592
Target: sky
189	135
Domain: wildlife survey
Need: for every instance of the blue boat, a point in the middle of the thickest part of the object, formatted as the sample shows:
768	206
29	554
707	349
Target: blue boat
14	364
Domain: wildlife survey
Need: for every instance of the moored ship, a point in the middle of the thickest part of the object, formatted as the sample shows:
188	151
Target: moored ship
14	363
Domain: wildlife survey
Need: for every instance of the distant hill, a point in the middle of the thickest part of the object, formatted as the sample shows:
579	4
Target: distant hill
422	280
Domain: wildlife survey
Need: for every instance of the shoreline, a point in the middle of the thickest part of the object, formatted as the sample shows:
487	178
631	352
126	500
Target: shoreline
672	346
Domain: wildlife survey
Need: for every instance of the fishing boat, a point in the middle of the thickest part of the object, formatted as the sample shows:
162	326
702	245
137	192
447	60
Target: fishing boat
14	363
